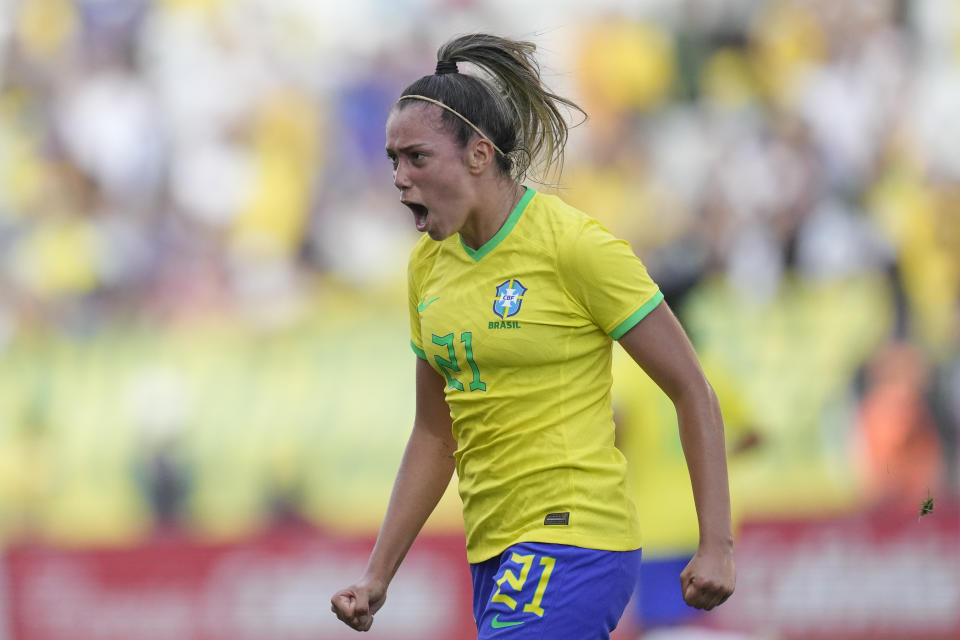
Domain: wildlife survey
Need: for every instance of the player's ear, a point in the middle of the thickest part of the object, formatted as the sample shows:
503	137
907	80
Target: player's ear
480	155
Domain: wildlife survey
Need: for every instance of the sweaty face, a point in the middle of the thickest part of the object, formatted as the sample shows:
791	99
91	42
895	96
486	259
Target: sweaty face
430	169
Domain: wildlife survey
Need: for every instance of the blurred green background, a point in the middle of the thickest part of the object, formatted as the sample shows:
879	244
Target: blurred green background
202	316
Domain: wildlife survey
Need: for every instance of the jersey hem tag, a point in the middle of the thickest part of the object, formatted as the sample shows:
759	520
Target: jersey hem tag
557	518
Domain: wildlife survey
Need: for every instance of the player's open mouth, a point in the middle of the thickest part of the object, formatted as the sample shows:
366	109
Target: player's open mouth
419	214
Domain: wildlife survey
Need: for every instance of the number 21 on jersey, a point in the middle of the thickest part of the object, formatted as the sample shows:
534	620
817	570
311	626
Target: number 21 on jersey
450	366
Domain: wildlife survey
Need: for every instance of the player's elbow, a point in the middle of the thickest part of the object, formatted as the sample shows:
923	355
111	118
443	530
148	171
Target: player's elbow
692	387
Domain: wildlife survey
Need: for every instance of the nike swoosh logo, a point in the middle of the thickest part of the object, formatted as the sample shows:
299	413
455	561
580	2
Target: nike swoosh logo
423	305
496	624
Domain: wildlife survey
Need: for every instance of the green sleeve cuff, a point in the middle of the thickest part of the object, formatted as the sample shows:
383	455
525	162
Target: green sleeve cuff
637	316
417	350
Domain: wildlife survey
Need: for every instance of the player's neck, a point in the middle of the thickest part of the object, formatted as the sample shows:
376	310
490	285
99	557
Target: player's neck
491	213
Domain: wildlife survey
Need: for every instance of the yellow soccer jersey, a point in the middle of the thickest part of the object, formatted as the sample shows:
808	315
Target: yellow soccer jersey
521	329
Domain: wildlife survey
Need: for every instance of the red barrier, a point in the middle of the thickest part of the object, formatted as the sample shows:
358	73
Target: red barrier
276	588
885	575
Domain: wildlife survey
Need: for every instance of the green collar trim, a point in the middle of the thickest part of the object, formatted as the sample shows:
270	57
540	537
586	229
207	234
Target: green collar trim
491	244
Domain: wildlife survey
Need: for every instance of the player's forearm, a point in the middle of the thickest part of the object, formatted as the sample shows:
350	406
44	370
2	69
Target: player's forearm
424	474
701	434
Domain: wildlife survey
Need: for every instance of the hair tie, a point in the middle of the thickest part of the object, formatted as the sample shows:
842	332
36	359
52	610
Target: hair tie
446	66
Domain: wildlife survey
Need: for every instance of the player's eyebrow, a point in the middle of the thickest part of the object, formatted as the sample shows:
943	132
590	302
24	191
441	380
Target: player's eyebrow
407	149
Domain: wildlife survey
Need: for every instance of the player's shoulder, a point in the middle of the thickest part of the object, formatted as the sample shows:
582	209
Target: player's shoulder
577	237
553	218
423	256
425	247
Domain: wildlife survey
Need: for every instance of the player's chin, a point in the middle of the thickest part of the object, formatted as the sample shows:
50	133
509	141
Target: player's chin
438	232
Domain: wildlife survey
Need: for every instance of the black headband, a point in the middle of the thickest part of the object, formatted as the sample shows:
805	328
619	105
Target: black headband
446	66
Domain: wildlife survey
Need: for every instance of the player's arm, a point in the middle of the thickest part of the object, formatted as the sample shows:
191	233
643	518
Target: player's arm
424	474
660	346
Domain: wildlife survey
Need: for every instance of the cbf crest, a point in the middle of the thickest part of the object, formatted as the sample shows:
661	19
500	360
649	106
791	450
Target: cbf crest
509	298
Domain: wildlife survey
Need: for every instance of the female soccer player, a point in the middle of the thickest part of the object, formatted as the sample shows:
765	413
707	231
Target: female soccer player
515	299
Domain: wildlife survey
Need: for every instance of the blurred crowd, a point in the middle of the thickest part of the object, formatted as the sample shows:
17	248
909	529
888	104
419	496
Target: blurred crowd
789	170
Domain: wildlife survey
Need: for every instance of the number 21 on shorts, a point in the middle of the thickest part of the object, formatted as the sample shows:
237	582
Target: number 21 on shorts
516	582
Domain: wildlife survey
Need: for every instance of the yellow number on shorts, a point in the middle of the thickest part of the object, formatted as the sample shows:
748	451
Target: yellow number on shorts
534	607
516	583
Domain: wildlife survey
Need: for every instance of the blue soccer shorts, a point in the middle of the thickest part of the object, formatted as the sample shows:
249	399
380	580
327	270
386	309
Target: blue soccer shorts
545	591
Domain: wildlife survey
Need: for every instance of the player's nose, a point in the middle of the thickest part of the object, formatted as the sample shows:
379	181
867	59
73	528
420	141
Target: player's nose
401	180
